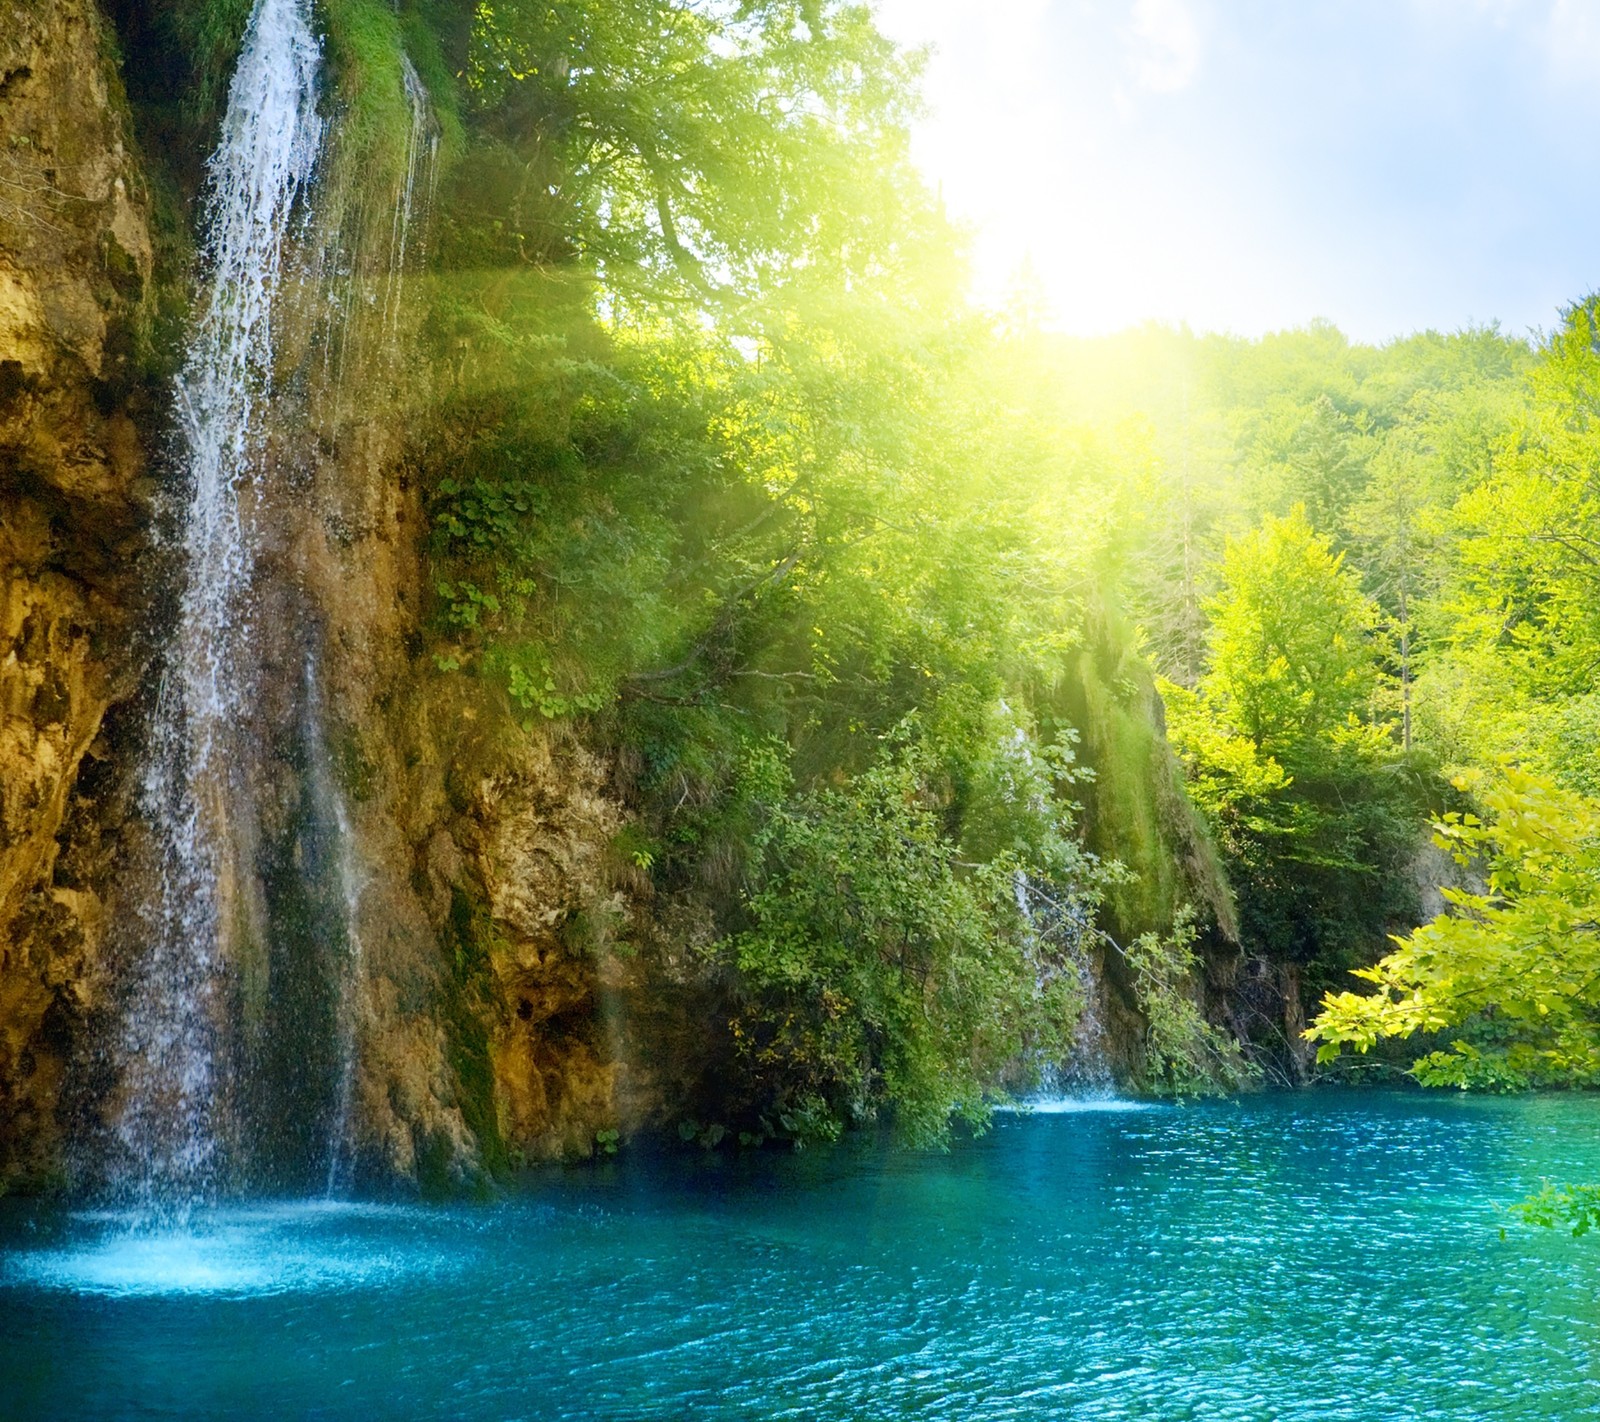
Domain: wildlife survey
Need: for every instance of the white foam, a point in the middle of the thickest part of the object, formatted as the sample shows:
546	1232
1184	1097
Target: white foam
1077	1105
245	1252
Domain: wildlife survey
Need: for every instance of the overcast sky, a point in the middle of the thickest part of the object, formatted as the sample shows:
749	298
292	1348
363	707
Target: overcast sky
1246	165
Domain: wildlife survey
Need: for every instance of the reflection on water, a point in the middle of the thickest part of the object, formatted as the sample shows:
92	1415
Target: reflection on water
1300	1258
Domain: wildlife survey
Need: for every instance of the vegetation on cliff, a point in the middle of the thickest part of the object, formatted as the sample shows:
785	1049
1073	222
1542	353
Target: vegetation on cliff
1380	619
725	466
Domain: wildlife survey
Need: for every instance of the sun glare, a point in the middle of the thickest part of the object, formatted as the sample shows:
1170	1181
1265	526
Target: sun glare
1247	168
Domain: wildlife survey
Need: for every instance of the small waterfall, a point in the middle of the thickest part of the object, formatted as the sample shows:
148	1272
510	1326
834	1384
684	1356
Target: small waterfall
368	241
1086	1071
422	163
363	299
350	881
1061	932
171	1102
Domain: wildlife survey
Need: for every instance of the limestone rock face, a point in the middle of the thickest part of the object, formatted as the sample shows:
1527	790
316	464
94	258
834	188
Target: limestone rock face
75	261
579	1003
542	827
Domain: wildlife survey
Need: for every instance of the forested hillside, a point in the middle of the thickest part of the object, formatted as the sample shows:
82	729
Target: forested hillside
876	526
1366	576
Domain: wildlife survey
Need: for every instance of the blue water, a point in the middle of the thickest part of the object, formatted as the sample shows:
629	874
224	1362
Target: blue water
1322	1256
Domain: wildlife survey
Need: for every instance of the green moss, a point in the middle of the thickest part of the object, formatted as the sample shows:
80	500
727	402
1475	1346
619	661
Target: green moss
435	1179
1136	809
143	340
467	1004
50	1183
366	44
211	33
178	60
363	50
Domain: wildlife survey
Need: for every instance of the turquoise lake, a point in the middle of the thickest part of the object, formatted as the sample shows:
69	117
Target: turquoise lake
1317	1256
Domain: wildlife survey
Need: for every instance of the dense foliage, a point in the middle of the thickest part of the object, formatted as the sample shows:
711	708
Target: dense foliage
1517	957
1290	754
1387	574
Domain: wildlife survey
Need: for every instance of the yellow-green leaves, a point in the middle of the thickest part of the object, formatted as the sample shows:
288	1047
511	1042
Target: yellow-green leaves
1223	766
1516	954
1293	637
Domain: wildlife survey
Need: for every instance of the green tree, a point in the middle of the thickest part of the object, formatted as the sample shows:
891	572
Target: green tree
1516	963
1529	559
700	152
881	965
1311	456
1287	747
1293	639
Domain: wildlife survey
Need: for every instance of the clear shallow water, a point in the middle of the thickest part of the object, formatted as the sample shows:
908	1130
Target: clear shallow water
1311	1257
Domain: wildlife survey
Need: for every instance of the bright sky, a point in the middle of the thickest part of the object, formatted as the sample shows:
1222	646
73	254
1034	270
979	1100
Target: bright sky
1246	165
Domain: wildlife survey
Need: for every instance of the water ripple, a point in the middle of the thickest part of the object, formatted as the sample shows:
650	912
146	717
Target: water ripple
1302	1259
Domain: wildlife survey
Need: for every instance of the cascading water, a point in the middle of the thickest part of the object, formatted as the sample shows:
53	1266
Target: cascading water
358	262
1087	1068
422	155
1064	925
238	1054
351	881
171	1102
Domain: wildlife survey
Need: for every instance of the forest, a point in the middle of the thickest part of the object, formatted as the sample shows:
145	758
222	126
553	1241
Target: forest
723	467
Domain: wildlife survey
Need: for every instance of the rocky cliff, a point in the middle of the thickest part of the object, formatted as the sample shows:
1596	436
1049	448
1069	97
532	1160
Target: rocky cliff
75	266
490	1027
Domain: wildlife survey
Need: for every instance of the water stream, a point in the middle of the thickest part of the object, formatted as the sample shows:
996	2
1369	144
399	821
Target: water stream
173	1116
351	880
416	189
1068	927
1059	925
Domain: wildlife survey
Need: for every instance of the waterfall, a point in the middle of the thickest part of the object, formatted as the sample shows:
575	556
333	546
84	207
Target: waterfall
350	881
242	972
1086	1070
171	1098
422	155
1053	924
